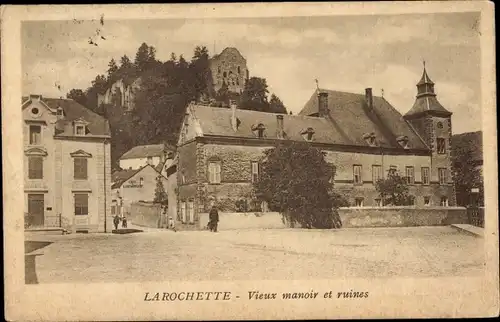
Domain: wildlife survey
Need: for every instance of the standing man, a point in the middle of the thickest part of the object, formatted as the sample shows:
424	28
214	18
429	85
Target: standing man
214	219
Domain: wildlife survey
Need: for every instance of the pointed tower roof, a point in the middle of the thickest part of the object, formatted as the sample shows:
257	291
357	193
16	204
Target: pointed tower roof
425	78
426	101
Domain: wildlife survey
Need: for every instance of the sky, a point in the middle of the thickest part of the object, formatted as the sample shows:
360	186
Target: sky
345	53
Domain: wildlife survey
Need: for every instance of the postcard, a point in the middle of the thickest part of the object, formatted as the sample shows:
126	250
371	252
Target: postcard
249	161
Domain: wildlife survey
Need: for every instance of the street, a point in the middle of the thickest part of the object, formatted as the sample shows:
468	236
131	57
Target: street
279	254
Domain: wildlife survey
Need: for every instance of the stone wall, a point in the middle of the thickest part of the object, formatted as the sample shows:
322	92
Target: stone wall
145	215
402	216
351	218
250	220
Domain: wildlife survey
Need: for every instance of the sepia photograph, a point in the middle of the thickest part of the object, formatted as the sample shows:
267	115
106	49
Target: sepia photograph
216	149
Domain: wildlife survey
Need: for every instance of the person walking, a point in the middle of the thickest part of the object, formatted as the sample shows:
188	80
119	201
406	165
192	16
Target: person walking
124	222
116	221
214	219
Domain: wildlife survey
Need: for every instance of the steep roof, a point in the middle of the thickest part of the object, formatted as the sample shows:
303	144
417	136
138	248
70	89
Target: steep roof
144	151
470	141
119	177
427	104
97	124
217	121
351	119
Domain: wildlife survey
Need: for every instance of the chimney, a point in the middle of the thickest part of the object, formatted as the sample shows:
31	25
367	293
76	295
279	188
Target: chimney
280	129
369	98
323	104
234	120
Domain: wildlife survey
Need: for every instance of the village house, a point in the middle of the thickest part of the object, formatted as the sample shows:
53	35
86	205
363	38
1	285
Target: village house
133	185
153	154
67	165
364	136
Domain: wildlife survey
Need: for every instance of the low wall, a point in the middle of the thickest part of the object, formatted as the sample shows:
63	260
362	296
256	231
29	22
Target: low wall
145	214
248	220
402	216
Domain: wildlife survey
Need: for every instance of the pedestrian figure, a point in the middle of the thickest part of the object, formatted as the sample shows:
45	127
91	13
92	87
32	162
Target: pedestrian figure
116	221
214	219
124	222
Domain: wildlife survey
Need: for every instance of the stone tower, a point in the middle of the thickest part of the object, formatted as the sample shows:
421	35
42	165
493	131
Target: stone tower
433	122
229	68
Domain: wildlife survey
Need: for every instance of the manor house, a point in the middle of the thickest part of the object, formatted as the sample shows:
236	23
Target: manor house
364	136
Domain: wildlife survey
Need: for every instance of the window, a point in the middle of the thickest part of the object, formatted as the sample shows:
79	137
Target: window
440	125
376	173
410	175
224	74
214	169
239	70
218	70
358	202
35	167
357	174
444	202
150	160
261	133
427	201
34	111
425	175
80	168
80	130
81	204
141	181
255	171
237	81
411	200
441	146
442	176
378	202
35	134
190	213
113	210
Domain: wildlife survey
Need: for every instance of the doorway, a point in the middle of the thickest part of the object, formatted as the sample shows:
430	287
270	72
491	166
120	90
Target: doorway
36	209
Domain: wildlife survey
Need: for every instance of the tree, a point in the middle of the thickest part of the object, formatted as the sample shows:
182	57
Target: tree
112	69
393	190
296	180
77	95
276	105
142	57
160	194
254	96
466	175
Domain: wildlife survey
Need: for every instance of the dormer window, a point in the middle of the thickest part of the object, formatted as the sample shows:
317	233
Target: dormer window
308	134
403	142
258	130
60	111
79	130
370	139
80	126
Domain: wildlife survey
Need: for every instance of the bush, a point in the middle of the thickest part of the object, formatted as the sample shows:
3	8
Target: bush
296	180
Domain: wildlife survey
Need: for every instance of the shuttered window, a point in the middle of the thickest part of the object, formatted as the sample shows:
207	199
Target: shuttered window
214	171
35	167
80	168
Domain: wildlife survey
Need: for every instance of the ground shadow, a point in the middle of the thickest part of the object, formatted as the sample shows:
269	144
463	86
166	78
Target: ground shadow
30	276
126	231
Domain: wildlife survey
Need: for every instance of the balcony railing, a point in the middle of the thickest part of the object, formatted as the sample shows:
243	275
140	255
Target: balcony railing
48	222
